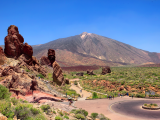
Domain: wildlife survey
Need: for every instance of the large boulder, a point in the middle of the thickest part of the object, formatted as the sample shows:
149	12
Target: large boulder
106	70
13	42
57	71
57	74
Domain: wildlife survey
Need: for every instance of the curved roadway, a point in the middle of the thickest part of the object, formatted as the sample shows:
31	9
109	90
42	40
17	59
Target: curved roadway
124	108
134	109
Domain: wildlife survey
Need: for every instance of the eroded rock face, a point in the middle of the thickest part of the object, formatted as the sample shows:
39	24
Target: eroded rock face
44	60
28	50
51	55
31	64
8	71
57	74
13	42
57	71
106	70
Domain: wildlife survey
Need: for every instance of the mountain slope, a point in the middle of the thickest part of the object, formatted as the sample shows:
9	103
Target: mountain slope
92	49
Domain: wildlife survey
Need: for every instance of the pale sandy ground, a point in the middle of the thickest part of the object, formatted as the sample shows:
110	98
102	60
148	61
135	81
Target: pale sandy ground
104	105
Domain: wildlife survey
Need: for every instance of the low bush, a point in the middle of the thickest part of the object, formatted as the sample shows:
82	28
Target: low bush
94	115
58	118
94	95
60	113
66	117
5	108
4	93
140	95
35	110
14	101
75	83
79	116
54	111
27	70
85	113
40	75
45	108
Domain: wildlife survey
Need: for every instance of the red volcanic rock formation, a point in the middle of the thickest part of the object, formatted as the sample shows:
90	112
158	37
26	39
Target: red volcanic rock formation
57	71
51	56
106	70
57	74
28	50
31	64
13	42
44	60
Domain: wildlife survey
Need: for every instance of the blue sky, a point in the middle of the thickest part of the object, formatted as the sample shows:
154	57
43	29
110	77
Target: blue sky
134	22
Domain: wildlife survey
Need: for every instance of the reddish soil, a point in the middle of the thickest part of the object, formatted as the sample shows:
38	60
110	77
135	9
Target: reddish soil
80	68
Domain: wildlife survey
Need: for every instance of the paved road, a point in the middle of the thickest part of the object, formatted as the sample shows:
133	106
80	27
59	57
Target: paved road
115	111
134	109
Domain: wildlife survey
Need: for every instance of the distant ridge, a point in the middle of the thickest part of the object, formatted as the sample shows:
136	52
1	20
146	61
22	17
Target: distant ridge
90	49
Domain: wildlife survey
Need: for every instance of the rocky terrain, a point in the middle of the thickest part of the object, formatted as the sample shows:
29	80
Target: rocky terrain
19	70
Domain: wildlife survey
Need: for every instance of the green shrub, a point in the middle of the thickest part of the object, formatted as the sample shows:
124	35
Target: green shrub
22	111
45	107
14	101
145	104
94	95
54	111
5	108
4	93
40	75
102	117
122	83
27	70
58	118
79	116
66	117
140	95
34	110
85	113
75	83
155	105
60	113
94	115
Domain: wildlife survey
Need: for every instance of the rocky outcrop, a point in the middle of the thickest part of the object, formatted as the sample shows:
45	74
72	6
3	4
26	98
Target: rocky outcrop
57	71
44	60
57	74
10	70
106	70
13	42
51	56
18	86
31	64
28	50
80	74
90	72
